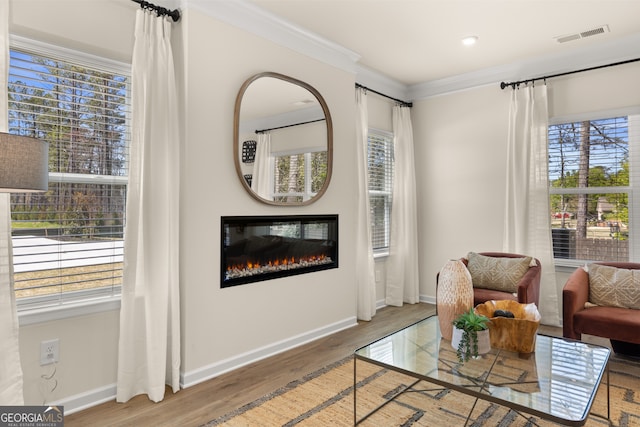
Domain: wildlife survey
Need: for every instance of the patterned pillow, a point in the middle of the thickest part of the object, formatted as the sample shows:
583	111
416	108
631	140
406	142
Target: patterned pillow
499	274
614	287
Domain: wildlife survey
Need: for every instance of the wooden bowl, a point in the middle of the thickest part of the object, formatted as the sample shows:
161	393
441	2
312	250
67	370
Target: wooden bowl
514	334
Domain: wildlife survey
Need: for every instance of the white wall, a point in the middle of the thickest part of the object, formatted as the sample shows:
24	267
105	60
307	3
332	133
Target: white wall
460	147
221	328
460	142
231	323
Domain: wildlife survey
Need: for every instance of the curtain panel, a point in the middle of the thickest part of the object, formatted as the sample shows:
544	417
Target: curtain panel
149	347
527	225
365	266
403	283
261	182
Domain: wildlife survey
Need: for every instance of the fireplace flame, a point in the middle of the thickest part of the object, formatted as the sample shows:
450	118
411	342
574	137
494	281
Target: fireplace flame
252	268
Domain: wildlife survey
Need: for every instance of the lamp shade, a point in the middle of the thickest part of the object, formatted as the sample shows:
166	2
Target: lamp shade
24	164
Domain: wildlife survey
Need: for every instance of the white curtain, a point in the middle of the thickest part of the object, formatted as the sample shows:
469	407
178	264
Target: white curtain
365	267
402	265
261	180
149	348
527	228
10	368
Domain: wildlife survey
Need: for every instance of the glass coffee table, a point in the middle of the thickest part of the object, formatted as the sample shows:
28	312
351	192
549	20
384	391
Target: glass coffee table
561	386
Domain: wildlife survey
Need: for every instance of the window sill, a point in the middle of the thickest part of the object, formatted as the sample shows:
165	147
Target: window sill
568	265
67	310
380	254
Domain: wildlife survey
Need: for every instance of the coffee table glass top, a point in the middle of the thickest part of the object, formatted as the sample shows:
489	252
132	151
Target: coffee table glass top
558	381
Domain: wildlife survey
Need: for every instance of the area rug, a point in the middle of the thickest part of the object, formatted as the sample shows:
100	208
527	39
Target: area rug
325	398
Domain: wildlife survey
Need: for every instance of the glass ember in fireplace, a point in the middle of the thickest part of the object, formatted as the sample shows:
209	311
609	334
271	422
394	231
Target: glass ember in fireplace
256	248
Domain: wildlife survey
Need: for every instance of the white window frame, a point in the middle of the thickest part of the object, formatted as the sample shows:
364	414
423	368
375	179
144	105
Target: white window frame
307	194
92	300
383	251
633	190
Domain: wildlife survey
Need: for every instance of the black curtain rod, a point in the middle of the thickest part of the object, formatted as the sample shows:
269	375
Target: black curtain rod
288	126
403	103
513	85
161	11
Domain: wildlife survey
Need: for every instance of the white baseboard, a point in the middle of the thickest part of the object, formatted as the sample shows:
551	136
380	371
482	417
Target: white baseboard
107	393
199	375
86	400
428	299
423	298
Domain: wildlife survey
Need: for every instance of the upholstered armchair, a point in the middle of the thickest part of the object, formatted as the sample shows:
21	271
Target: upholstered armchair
607	307
509	280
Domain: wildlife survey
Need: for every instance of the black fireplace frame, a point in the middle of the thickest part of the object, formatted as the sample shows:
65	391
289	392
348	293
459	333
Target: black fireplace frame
265	220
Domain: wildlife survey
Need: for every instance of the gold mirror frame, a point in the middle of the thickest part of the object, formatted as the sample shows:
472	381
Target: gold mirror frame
236	137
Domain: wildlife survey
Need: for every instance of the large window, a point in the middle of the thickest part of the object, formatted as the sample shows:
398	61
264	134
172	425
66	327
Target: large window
592	185
380	163
68	242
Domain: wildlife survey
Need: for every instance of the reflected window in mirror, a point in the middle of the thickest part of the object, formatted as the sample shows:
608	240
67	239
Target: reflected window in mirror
299	177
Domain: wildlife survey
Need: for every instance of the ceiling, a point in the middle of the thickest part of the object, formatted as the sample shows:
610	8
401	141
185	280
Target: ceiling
418	41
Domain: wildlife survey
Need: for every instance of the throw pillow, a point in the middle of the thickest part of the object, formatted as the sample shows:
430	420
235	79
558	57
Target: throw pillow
614	287
499	274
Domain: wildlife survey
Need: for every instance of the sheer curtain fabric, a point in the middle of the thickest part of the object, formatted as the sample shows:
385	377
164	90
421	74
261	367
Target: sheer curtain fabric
11	390
261	182
365	266
149	347
402	265
527	228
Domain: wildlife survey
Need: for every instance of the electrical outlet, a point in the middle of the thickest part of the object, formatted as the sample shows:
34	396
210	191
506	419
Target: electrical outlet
49	352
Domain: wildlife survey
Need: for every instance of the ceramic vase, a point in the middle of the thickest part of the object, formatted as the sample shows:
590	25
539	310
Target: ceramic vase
454	295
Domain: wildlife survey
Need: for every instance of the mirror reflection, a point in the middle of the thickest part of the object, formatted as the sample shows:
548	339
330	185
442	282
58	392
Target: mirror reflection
283	140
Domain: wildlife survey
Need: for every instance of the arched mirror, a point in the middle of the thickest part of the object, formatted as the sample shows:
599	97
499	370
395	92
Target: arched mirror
283	140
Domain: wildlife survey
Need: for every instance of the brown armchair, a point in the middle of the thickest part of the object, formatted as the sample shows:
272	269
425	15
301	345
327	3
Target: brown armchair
616	323
528	285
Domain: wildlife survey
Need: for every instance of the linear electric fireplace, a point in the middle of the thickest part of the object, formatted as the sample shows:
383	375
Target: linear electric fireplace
256	248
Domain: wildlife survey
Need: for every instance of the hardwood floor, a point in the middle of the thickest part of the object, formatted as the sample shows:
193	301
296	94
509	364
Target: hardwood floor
201	403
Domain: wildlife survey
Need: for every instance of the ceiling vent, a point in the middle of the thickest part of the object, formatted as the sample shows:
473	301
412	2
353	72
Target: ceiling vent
583	34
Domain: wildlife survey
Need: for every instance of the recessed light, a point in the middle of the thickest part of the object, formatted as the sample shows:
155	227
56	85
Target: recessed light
469	41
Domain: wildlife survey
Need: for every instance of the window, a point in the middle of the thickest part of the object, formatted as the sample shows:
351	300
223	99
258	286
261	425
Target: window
68	242
299	176
380	164
591	188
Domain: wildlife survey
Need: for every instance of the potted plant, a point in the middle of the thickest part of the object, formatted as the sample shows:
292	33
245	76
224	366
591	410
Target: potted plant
470	335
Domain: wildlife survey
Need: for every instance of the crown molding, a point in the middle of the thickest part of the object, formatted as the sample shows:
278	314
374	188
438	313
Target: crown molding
255	20
260	22
381	83
586	57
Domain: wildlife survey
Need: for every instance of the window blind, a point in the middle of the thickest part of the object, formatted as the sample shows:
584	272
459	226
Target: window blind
380	169
68	242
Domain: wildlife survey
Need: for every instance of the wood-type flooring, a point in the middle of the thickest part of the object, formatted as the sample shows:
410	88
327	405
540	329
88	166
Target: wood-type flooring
203	402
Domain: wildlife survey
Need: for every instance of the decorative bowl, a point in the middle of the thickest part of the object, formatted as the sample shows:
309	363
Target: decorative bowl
514	334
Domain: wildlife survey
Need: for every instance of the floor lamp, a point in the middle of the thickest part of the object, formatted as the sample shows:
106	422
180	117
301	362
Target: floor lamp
23	168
